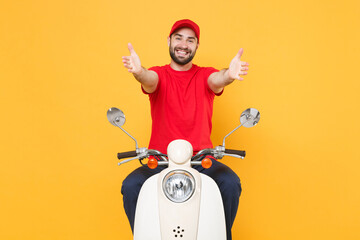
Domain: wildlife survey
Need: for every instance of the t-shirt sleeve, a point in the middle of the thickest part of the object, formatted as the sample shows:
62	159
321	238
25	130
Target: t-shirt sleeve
157	70
208	72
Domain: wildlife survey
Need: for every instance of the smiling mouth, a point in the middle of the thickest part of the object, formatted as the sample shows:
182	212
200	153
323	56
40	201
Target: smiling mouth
181	53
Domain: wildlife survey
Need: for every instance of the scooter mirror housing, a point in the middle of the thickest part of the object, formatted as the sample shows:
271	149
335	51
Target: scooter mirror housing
116	117
250	117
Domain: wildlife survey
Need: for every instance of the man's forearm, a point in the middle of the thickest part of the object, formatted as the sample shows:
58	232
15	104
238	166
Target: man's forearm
147	78
222	78
218	80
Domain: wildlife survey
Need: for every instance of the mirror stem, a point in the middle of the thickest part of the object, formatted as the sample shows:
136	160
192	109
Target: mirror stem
136	144
233	131
230	133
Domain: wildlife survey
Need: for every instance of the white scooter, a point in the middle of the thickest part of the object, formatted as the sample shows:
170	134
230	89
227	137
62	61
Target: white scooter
180	202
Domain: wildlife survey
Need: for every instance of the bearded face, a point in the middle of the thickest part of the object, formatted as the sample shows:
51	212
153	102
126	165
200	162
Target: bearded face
182	46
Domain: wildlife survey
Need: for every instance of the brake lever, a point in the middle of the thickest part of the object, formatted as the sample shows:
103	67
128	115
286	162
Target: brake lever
233	155
128	160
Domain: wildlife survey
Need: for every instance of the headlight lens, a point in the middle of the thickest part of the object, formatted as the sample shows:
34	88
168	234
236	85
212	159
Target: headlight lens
178	186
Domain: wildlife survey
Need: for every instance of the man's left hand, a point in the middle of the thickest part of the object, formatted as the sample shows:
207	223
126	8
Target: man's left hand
237	67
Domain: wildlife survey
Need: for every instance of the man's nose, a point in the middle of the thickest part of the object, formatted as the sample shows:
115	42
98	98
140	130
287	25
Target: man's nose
183	44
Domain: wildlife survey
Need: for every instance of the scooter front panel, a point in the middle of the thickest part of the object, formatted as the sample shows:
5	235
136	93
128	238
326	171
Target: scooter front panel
147	224
212	218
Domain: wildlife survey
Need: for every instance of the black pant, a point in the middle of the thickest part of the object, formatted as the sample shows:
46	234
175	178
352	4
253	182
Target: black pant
227	181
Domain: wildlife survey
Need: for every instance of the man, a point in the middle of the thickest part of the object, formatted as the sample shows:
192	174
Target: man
181	96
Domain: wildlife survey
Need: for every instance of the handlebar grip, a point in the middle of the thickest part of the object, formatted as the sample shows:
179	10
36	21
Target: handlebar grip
237	152
126	154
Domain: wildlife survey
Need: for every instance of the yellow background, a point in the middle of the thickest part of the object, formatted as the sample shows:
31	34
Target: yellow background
60	70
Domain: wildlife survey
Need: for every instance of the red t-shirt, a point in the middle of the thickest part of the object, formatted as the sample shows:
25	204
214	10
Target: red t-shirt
181	107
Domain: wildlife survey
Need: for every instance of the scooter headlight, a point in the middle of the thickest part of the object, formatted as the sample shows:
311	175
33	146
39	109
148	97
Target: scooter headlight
178	186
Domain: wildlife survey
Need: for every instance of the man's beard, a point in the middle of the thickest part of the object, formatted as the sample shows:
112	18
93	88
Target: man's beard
181	61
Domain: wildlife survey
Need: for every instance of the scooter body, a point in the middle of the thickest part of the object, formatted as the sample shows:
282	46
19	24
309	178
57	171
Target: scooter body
199	217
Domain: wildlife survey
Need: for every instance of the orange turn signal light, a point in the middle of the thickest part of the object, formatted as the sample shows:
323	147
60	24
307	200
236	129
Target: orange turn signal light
206	163
152	163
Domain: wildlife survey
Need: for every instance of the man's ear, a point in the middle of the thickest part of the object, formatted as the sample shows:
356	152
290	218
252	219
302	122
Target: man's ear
168	40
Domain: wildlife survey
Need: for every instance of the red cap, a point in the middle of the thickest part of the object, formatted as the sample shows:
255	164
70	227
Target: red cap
186	23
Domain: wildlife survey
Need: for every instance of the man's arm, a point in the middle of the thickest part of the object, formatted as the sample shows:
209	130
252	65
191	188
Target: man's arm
218	80
148	79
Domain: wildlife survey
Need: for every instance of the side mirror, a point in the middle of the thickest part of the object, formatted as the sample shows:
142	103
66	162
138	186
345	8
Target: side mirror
248	118
116	117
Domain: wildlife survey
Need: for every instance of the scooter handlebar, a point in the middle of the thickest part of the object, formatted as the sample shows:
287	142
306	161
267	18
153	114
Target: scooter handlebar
126	154
237	152
134	154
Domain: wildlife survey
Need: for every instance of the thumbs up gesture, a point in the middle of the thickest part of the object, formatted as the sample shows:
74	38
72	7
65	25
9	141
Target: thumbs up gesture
238	68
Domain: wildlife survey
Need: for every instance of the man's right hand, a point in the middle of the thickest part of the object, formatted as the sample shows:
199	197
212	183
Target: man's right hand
132	62
148	79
